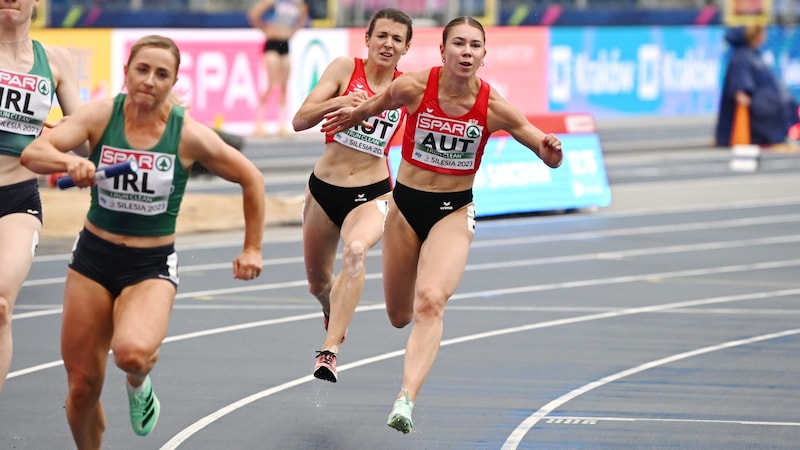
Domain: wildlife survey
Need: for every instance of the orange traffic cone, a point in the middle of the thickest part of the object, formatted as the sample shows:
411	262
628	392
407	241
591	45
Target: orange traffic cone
740	134
745	157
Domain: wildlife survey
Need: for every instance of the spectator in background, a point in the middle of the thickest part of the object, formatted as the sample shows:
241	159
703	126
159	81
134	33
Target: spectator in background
54	72
278	20
749	81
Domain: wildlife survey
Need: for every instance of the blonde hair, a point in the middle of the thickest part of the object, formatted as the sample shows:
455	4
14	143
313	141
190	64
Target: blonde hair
162	42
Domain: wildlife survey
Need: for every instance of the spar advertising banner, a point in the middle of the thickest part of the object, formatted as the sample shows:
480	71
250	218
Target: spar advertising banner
91	50
635	71
603	71
222	73
219	73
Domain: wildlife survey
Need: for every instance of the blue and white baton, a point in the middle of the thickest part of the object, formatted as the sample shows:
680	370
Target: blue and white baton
102	174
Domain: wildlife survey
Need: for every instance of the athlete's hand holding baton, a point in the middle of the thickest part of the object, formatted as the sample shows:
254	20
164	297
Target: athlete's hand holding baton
102	173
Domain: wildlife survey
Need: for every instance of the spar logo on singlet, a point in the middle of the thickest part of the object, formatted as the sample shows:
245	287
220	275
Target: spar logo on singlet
16	91
129	182
145	192
448	135
446	143
19	81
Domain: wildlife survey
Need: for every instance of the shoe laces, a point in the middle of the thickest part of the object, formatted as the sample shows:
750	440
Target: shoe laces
405	398
139	400
142	402
328	357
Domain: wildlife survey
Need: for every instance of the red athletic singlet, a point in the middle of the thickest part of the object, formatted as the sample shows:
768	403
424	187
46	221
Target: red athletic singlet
375	140
443	144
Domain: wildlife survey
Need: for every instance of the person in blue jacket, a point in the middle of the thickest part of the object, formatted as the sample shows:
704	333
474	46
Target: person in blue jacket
751	82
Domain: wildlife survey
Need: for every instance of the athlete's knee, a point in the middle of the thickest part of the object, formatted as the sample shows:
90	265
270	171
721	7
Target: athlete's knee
320	289
84	390
429	304
353	257
399	319
131	357
5	311
399	305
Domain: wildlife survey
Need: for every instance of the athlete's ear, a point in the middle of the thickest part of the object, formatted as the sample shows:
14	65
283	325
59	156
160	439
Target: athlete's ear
408	46
125	71
176	80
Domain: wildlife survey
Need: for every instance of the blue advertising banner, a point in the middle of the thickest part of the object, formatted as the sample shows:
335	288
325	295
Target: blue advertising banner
633	71
782	53
512	180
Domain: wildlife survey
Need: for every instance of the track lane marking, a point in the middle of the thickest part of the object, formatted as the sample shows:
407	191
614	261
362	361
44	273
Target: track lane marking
516	436
192	429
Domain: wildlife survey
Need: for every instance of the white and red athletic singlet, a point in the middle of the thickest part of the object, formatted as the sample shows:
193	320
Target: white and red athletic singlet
444	144
375	140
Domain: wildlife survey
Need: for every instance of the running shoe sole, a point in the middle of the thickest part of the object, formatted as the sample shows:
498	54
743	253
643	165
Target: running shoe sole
400	423
323	373
325	368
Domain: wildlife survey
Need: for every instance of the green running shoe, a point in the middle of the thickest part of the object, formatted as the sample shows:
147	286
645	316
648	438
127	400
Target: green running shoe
144	408
400	418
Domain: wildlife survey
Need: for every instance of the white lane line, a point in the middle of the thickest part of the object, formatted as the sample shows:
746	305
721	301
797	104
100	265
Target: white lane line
182	269
192	294
30	315
593	420
514	439
189	431
616	255
647	251
53	309
506	291
693	226
758	203
487	293
643	230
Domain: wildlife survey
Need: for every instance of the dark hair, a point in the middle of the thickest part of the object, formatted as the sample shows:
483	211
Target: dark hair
471	21
394	15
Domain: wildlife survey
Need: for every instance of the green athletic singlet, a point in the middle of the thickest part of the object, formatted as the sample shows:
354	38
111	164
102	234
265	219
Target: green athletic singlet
145	203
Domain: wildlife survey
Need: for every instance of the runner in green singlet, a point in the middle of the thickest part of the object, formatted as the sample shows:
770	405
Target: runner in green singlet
122	277
31	73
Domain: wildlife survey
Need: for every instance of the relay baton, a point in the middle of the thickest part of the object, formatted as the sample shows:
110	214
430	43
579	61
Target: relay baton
102	174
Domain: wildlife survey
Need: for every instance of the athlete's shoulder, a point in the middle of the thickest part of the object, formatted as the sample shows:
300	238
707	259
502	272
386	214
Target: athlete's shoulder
96	108
58	57
411	82
194	133
496	99
56	51
418	76
344	63
339	70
